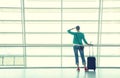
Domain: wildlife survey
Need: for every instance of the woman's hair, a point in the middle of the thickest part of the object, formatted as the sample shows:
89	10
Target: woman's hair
78	27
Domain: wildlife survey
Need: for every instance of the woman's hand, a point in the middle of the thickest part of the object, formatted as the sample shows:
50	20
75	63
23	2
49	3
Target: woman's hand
72	28
90	44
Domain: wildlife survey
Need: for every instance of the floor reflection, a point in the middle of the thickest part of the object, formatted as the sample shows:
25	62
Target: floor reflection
89	74
58	73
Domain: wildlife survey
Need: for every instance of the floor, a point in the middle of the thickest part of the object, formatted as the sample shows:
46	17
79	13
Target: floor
59	73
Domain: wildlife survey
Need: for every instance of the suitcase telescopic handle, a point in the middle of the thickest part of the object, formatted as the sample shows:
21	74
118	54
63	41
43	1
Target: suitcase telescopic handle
90	50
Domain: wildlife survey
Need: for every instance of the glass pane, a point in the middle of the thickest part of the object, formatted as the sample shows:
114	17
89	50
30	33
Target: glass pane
19	61
8	61
43	3
110	39
114	51
111	3
80	14
10	14
11	51
43	61
43	39
10	39
43	27
112	26
0	61
70	62
8	3
67	51
44	51
111	14
10	27
80	3
90	51
109	62
84	26
91	38
43	14
67	39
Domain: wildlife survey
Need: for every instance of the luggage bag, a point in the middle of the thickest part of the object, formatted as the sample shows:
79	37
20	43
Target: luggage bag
91	61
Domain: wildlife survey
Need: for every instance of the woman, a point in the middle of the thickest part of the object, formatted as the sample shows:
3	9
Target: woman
78	46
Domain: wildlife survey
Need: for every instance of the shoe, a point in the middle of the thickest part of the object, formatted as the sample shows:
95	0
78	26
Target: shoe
86	69
78	69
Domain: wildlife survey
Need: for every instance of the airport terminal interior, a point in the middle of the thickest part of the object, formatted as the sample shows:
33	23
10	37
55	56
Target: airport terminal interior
34	42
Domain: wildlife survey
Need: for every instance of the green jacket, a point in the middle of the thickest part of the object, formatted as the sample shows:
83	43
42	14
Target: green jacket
78	37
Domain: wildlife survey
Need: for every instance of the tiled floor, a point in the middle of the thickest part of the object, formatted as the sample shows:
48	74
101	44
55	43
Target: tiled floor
58	73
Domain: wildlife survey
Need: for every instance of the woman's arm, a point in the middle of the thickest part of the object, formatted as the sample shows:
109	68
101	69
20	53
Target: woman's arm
70	32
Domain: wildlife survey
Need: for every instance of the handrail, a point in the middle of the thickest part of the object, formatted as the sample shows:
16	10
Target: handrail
56	45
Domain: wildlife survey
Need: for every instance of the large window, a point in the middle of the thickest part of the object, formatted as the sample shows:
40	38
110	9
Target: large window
110	34
33	33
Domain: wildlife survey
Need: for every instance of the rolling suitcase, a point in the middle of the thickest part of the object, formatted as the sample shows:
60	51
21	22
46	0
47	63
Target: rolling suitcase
91	61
